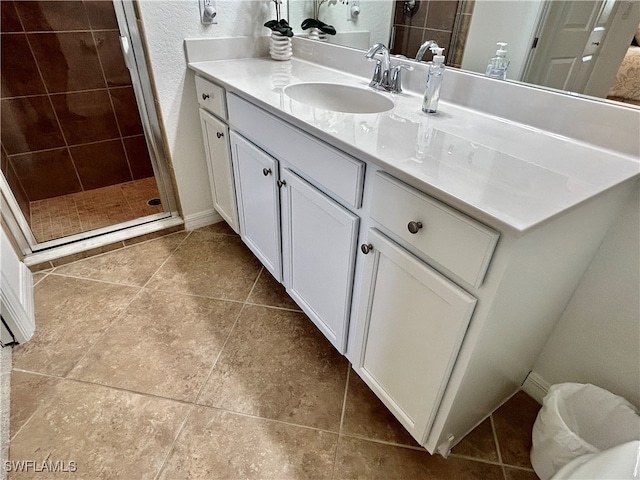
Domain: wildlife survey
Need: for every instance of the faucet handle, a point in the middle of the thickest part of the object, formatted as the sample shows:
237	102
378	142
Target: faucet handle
377	74
396	79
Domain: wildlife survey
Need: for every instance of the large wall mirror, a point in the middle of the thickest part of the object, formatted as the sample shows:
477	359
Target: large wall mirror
586	47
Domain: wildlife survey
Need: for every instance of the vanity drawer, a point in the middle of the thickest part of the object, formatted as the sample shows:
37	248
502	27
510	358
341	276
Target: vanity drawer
211	97
446	237
333	172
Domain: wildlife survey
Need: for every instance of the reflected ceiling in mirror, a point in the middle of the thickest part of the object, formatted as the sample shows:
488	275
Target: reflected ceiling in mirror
584	47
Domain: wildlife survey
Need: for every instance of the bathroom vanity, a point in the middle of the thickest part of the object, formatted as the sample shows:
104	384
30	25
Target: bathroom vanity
435	252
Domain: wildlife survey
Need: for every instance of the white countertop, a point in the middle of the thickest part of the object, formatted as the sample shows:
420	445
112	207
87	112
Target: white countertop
508	174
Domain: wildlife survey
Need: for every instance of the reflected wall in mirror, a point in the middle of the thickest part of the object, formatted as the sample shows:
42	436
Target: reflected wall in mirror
586	47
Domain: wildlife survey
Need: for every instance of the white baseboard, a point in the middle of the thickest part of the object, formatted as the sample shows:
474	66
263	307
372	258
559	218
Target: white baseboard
201	219
535	386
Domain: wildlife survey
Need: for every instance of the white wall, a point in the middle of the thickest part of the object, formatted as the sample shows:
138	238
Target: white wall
166	25
500	21
597	339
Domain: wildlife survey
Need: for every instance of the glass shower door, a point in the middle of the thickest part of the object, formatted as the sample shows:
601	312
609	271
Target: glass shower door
75	150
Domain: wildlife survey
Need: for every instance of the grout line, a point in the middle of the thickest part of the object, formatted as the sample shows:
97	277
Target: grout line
215	362
112	387
173	444
344	407
384	442
255	282
76	277
226	340
495	438
104	333
344	399
475	459
497	443
46	274
166	259
112	251
296	310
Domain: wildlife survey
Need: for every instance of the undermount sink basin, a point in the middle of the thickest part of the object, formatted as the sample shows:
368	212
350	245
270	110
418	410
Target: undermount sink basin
339	98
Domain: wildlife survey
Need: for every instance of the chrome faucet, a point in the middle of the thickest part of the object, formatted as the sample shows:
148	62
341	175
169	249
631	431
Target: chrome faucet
385	77
429	44
380	77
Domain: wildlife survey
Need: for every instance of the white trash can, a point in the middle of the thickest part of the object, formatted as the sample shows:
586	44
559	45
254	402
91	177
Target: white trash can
579	419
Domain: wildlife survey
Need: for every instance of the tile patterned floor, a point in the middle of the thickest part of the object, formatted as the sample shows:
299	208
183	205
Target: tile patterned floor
181	358
84	211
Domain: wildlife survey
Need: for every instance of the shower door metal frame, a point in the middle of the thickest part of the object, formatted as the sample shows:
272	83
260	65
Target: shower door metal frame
135	59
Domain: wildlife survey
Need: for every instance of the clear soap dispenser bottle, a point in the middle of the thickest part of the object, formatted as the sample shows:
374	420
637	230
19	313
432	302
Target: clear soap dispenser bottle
435	69
498	65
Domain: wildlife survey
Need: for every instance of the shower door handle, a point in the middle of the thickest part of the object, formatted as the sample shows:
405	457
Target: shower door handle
126	51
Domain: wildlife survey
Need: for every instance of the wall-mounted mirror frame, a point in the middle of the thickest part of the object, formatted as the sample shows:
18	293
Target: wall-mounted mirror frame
581	47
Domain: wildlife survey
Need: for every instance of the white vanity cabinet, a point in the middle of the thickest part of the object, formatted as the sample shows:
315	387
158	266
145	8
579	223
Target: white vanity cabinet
319	249
216	145
303	236
411	323
447	306
412	318
256	177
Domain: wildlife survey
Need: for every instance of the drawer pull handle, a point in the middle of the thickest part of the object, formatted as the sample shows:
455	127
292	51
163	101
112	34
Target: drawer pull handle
219	134
414	227
266	171
281	183
366	248
205	96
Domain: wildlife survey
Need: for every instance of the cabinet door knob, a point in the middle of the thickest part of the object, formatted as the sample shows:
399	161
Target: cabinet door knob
414	227
266	171
219	134
281	183
366	248
205	96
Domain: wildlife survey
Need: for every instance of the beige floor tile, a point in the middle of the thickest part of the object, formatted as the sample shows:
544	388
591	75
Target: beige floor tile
222	445
480	443
514	423
28	392
110	434
165	344
39	276
518	474
368	460
268	291
220	228
71	315
130	266
218	266
366	416
278	365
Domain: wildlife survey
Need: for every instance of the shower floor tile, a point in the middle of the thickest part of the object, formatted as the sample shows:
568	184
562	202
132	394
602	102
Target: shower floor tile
59	217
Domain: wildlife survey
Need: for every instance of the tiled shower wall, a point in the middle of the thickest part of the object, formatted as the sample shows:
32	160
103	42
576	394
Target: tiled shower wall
445	21
69	120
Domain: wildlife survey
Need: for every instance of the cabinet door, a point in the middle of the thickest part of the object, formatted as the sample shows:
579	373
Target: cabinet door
319	243
411	324
256	176
216	145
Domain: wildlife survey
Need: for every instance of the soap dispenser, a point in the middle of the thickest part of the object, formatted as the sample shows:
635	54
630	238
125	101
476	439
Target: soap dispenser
498	65
435	69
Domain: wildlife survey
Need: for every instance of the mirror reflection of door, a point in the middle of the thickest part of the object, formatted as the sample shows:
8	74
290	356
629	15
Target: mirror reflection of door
571	44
